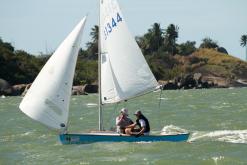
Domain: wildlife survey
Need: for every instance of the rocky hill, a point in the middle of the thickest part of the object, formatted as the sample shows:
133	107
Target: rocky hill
208	68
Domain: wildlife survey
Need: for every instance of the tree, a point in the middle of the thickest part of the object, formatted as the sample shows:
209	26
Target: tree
171	35
243	43
152	40
187	48
208	43
6	45
92	47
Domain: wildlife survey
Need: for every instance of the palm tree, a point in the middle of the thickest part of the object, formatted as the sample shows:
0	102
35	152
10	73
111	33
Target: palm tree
92	47
152	40
171	35
243	43
157	36
95	33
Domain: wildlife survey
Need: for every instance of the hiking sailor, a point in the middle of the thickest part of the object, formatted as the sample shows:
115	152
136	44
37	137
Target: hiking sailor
143	124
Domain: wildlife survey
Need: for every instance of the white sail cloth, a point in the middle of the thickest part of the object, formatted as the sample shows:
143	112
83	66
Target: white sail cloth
124	71
47	100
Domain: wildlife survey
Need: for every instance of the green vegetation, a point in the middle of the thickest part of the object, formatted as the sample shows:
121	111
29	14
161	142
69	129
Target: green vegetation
18	66
208	43
166	58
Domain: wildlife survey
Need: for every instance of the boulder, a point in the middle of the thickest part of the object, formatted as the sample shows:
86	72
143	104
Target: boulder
5	88
78	90
221	50
214	81
195	81
170	85
19	89
91	88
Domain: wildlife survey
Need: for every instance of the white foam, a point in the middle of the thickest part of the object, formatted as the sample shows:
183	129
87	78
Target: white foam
27	133
162	98
171	129
91	105
143	142
3	97
231	136
216	159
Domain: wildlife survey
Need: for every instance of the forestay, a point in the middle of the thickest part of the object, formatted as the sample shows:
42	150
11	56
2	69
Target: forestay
47	100
124	71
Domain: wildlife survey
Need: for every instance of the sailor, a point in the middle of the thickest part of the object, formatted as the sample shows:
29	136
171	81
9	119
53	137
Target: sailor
142	123
122	121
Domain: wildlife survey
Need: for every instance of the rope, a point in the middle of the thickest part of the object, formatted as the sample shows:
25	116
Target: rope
114	115
161	90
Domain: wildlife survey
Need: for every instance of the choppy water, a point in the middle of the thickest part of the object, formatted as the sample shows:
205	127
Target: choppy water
216	119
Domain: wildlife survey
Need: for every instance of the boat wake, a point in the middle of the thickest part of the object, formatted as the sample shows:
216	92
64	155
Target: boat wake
171	129
230	136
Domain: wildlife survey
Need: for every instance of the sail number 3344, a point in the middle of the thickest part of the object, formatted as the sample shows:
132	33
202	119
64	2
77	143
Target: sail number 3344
110	26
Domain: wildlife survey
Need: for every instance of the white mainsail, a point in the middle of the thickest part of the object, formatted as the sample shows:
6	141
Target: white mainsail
124	71
47	100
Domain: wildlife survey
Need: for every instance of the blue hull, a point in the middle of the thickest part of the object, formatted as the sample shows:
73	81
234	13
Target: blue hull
92	138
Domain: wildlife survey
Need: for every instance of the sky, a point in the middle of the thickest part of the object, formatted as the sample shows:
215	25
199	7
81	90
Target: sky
39	26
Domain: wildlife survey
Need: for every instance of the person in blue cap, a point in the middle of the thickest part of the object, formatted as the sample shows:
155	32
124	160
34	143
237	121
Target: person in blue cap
142	124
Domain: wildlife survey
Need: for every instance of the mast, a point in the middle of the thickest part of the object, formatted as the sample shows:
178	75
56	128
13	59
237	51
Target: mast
99	74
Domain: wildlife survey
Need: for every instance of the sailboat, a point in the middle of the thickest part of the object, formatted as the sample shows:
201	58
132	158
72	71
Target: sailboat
123	74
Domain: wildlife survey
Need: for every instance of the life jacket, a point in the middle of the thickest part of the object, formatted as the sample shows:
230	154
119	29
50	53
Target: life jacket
147	128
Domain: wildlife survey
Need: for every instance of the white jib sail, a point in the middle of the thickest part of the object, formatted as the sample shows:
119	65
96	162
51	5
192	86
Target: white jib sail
124	71
47	100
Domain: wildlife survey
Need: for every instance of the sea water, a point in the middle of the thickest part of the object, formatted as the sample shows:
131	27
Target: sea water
216	119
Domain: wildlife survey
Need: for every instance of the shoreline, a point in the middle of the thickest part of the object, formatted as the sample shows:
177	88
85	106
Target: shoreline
21	89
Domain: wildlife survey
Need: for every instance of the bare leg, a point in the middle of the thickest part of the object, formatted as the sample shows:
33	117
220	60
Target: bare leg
131	131
128	131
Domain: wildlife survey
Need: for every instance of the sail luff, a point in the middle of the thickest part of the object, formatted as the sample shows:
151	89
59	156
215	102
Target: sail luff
99	72
47	100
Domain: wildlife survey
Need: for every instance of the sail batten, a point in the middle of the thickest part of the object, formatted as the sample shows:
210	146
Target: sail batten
47	100
125	73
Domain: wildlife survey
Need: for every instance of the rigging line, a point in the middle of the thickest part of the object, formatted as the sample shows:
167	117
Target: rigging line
161	90
114	117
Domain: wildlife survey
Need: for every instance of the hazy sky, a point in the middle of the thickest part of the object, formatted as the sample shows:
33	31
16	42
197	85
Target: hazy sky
41	25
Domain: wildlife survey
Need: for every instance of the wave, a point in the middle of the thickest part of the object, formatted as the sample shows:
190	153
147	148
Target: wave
230	136
28	133
91	105
162	98
218	158
171	129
